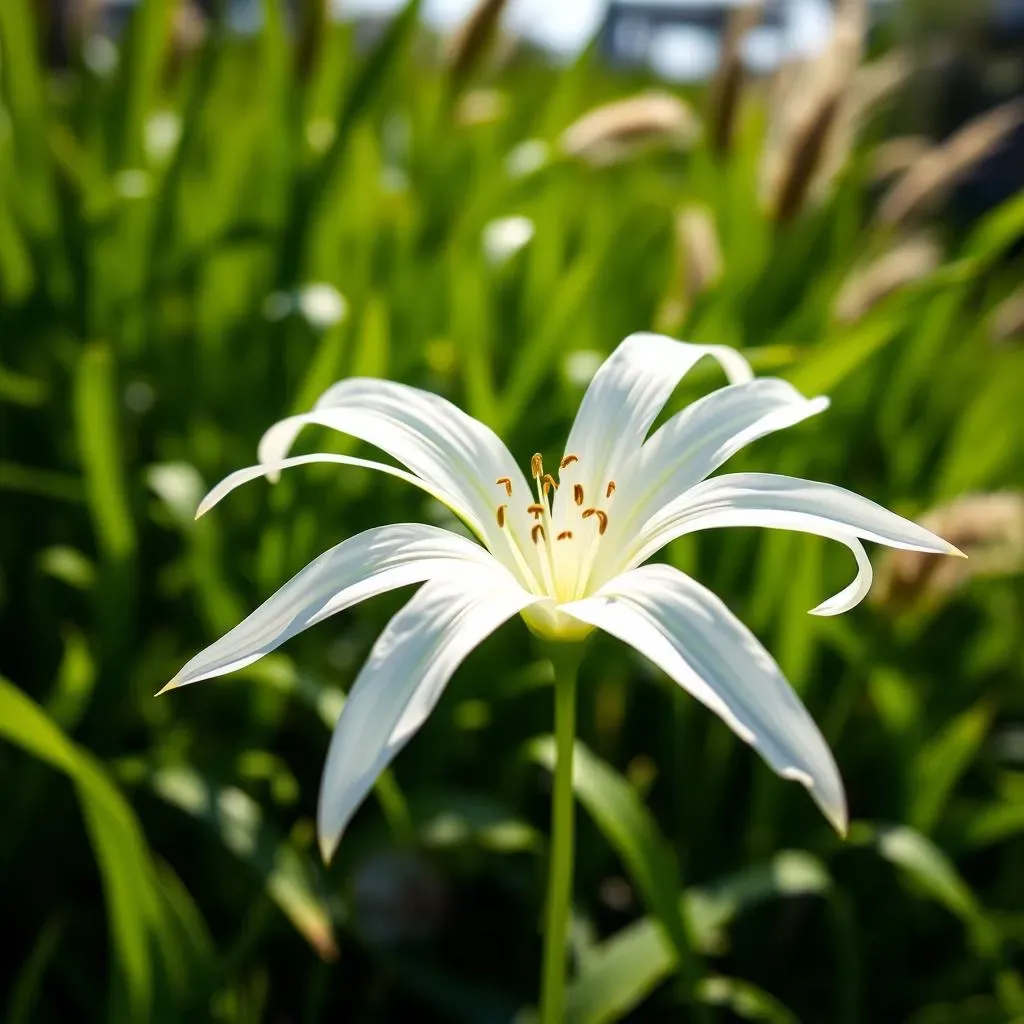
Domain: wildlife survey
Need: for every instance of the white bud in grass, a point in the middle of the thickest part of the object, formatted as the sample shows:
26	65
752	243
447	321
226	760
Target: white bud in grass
527	158
321	304
100	55
131	183
579	366
163	132
504	237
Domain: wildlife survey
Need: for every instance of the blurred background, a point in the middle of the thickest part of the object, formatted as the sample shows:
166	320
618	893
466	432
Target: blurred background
211	211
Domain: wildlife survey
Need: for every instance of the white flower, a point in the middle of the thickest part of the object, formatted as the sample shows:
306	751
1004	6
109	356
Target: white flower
565	552
321	304
504	237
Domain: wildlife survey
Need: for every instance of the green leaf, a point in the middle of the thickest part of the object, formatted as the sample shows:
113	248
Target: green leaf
236	819
933	872
620	972
830	362
130	883
100	446
939	765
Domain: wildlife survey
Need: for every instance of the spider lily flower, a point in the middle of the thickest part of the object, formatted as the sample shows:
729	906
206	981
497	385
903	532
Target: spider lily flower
562	549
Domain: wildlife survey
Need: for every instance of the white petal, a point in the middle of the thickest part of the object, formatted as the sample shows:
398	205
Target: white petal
454	454
852	594
786	503
696	441
402	680
272	470
370	563
690	634
626	395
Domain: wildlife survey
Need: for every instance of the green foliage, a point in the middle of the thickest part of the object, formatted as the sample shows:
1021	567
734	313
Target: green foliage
160	226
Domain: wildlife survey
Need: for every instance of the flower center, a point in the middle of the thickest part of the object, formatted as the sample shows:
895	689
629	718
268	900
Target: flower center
565	533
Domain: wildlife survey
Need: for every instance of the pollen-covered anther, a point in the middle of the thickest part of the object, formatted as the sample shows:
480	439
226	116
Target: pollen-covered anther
506	482
577	493
568	461
536	466
602	518
537	534
548	482
501	516
610	489
536	511
565	535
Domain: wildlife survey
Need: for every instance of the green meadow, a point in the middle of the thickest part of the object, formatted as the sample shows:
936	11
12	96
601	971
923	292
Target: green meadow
197	239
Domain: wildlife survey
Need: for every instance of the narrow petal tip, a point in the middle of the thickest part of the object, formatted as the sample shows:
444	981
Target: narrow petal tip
328	847
955	551
172	685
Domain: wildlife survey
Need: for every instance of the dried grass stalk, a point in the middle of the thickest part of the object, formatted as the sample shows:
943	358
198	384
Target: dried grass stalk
896	156
470	42
620	129
812	126
698	252
909	261
988	528
727	85
924	185
1006	325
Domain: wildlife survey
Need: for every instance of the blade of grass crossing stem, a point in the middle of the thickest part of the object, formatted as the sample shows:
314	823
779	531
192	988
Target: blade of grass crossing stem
100	447
21	1005
129	880
287	875
633	833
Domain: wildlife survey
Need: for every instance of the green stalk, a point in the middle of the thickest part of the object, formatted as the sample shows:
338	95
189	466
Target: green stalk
566	659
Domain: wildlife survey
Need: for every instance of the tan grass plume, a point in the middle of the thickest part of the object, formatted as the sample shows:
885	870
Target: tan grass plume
1006	324
897	155
988	528
697	267
622	128
910	260
927	182
727	85
471	41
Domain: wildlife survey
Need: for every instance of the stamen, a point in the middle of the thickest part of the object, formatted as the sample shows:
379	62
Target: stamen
547	481
565	535
506	482
602	518
537	466
567	461
610	490
536	511
577	493
538	530
501	516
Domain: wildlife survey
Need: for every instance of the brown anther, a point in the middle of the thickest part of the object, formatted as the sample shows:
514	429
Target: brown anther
577	493
504	481
536	511
501	516
537	531
567	461
602	518
610	489
565	535
548	481
536	466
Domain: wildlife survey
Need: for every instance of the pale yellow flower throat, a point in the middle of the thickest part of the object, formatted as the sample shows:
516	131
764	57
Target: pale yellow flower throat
566	552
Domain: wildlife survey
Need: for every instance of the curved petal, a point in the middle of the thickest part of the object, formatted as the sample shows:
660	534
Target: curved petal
370	563
696	441
273	470
402	680
625	396
852	594
691	635
786	503
454	454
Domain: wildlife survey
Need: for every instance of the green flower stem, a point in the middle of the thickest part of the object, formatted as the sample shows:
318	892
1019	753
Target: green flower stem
566	659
